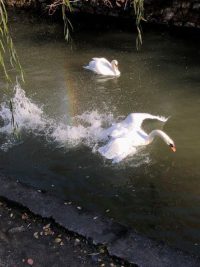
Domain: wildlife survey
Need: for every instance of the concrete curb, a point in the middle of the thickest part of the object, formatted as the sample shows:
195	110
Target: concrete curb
119	240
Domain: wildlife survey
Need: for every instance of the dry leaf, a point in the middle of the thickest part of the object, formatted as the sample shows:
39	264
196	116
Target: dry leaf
36	235
30	261
24	216
47	226
57	240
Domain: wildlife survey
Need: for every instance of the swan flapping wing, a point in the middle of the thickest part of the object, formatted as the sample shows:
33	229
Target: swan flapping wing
116	130
117	149
125	136
136	119
132	122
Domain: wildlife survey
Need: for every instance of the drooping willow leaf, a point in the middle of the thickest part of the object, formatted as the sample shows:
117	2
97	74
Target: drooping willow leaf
65	6
139	12
67	23
7	49
6	44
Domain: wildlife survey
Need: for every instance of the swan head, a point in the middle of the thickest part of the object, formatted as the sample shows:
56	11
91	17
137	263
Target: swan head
170	142
165	138
172	147
115	65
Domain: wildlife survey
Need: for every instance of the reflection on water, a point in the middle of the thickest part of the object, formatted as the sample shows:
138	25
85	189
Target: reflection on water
66	107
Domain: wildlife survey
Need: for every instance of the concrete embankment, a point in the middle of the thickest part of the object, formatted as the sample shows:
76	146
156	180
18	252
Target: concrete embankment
119	241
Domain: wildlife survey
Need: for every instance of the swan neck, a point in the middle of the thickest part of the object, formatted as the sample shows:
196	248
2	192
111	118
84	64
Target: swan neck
155	133
115	69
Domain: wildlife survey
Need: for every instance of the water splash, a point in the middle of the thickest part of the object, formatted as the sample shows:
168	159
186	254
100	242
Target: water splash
87	129
84	129
27	115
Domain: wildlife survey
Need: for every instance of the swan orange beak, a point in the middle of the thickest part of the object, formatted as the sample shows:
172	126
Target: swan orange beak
173	148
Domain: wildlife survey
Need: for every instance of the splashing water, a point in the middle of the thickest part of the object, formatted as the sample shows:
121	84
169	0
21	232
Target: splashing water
27	115
85	129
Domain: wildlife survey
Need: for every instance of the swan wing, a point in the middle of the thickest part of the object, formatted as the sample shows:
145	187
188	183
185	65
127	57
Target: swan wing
101	62
101	59
116	149
100	66
91	66
116	130
104	67
131	123
135	120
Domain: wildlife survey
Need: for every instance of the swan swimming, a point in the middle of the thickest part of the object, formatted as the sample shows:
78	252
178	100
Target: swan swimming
103	67
127	135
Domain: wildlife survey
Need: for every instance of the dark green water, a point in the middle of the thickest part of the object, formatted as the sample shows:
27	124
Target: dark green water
156	192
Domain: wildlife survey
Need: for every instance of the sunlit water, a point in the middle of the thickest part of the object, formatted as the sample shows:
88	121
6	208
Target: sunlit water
62	110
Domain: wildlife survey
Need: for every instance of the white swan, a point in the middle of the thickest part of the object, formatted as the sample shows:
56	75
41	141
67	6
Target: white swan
127	135
103	66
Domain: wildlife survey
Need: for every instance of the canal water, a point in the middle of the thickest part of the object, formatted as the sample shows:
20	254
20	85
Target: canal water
62	109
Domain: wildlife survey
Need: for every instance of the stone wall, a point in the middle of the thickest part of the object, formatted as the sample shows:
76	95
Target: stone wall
182	13
175	12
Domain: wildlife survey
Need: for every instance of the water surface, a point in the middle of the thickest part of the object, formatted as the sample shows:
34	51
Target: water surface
155	191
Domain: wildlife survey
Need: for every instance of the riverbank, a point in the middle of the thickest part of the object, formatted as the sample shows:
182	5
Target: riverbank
111	237
29	240
179	13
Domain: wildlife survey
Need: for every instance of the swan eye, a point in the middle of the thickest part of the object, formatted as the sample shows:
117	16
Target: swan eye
172	146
